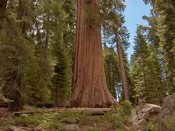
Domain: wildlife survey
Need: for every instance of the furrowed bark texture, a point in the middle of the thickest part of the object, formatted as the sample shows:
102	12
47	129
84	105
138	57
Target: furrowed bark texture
89	84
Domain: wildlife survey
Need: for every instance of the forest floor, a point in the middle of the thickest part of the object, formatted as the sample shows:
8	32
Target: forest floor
61	119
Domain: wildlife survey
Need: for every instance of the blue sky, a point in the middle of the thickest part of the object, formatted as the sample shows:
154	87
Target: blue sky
134	11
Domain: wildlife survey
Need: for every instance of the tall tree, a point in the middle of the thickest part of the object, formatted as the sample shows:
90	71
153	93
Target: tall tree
122	67
146	72
166	33
89	83
61	80
17	75
114	29
111	69
17	52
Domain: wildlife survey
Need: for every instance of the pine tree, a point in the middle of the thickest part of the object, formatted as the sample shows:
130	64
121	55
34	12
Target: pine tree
111	69
62	50
115	30
17	51
146	72
166	33
61	84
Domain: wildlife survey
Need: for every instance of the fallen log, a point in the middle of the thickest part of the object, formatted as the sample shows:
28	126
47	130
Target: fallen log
92	111
35	112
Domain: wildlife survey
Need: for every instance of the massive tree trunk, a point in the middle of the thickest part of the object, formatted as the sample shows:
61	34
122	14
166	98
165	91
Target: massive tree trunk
89	84
3	4
122	68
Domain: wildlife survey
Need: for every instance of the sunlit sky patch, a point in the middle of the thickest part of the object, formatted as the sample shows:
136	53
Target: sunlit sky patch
134	11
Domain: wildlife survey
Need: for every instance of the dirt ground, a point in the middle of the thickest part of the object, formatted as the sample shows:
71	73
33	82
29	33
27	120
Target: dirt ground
96	119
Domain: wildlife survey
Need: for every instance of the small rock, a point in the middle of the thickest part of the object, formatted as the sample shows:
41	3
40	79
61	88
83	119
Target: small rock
168	109
69	120
38	129
142	122
134	118
72	127
15	128
143	116
115	115
145	113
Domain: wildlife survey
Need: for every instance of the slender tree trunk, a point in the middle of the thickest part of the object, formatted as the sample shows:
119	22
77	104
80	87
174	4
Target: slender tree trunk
3	4
122	68
21	14
89	84
15	93
16	75
56	97
145	80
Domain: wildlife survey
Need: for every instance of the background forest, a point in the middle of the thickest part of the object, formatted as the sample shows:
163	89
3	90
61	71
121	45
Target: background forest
37	45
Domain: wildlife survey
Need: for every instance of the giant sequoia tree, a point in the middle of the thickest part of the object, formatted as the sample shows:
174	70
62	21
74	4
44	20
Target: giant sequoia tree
89	83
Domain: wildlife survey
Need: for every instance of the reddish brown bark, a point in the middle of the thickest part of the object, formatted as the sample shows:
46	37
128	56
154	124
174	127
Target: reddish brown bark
89	84
122	68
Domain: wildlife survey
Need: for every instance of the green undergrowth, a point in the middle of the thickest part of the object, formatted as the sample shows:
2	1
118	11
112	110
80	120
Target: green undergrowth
4	121
169	122
149	127
120	117
48	120
116	120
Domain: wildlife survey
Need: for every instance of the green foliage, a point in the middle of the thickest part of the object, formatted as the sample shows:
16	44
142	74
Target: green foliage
26	120
120	117
46	121
61	83
30	30
126	107
119	122
55	126
149	127
62	51
112	21
50	121
146	72
111	69
17	50
166	33
92	15
87	121
169	122
69	115
161	35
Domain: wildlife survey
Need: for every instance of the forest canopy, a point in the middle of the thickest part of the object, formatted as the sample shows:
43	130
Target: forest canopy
52	52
